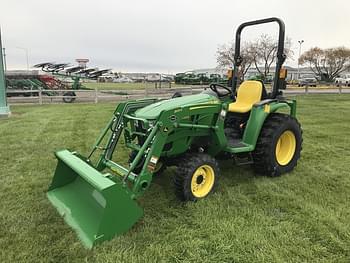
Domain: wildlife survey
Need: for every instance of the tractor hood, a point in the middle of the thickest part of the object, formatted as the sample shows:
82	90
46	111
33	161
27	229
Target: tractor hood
152	111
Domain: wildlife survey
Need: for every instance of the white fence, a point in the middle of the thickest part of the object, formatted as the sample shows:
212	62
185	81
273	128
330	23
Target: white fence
96	96
91	96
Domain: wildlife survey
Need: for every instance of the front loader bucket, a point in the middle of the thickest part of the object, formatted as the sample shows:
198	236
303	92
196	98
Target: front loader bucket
95	206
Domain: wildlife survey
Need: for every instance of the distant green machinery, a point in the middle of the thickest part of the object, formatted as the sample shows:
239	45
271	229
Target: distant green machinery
30	83
75	73
190	78
260	77
97	195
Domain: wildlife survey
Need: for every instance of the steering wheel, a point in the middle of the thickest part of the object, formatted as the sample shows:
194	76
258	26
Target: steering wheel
214	87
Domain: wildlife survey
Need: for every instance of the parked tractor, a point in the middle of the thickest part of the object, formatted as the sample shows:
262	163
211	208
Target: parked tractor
178	78
97	196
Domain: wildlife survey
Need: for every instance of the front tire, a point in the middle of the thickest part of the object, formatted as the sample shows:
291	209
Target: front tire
196	176
279	145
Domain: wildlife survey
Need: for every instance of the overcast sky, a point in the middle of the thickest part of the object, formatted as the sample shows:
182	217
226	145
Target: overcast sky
157	35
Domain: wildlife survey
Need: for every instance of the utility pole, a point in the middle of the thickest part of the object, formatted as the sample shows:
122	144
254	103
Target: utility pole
4	54
4	108
300	42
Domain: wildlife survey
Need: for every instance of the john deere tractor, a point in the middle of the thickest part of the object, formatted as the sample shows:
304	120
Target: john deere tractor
97	195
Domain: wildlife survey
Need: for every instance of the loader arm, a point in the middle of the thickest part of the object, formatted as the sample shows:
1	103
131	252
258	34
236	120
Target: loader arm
189	122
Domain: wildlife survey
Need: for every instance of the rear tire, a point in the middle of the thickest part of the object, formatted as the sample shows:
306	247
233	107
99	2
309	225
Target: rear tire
196	176
279	145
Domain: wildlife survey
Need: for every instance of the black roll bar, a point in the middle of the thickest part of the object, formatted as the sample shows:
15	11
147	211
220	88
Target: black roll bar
281	57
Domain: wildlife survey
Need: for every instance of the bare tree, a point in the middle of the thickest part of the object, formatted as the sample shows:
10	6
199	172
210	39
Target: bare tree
260	53
266	48
327	64
225	57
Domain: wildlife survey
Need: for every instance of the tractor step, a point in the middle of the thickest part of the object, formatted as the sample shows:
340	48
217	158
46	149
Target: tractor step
235	143
243	159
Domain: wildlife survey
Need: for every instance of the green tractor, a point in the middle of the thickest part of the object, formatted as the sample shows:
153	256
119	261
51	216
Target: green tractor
179	78
97	196
216	78
189	78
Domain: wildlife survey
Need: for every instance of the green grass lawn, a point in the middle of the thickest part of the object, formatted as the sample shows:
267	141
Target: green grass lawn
303	216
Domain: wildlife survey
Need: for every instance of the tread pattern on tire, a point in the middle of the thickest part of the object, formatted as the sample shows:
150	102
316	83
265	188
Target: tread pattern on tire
264	153
185	169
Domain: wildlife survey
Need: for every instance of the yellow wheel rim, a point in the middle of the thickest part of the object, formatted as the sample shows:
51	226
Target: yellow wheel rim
202	181
285	147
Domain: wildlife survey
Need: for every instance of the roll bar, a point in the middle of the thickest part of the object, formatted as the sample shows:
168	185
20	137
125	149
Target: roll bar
281	57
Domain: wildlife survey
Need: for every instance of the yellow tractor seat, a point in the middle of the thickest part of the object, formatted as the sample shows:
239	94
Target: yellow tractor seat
249	93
